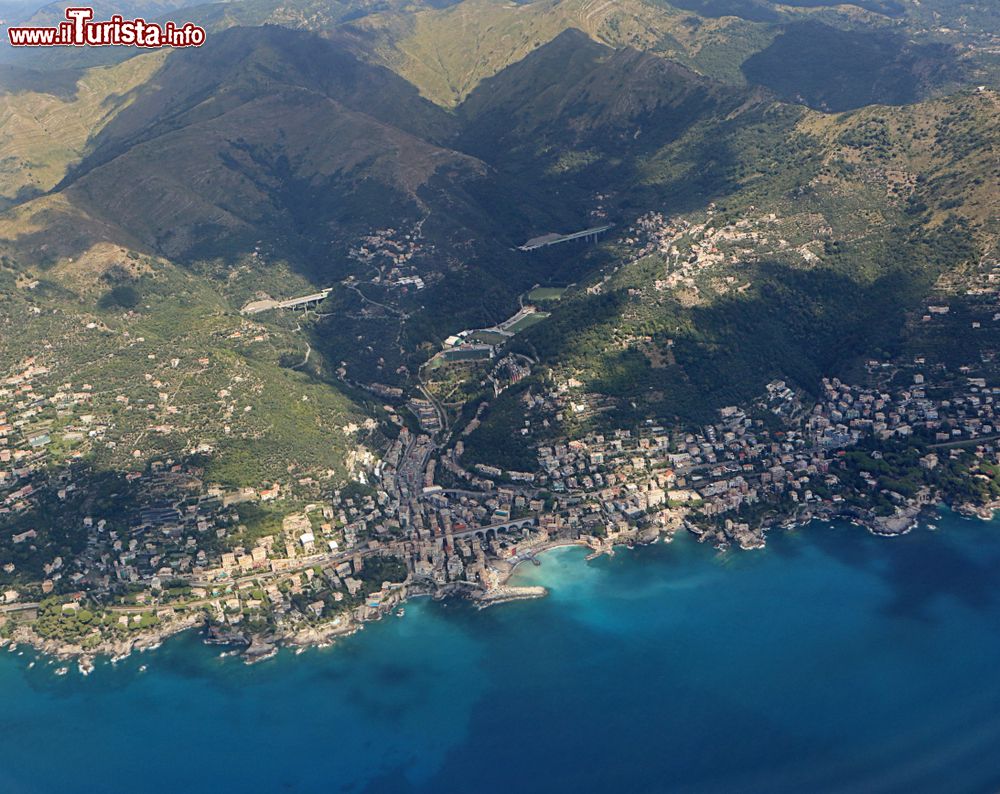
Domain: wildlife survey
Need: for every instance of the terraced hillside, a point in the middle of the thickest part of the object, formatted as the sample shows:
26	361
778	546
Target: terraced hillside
48	119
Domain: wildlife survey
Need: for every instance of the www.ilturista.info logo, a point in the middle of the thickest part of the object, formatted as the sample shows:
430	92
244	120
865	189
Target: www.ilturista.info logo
80	31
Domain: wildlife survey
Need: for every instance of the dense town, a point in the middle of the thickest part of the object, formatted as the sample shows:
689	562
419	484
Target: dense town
333	565
295	562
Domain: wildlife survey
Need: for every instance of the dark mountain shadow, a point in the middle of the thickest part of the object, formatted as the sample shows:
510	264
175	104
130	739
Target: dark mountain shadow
263	134
240	65
836	70
61	83
281	138
575	115
234	128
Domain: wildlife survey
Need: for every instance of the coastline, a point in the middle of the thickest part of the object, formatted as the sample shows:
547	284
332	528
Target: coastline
255	648
904	520
113	651
665	613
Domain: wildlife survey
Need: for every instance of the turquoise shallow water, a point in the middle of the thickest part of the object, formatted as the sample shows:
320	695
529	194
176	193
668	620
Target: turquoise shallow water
831	661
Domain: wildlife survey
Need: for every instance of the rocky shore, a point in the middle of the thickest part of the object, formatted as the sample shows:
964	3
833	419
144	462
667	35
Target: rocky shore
905	518
256	647
984	512
114	650
323	635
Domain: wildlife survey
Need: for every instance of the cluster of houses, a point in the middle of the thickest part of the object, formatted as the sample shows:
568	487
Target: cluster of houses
692	250
31	420
508	371
643	474
847	413
395	254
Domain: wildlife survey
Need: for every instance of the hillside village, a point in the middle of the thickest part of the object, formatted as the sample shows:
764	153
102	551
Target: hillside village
694	249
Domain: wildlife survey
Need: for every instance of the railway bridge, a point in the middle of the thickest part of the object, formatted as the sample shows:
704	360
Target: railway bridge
484	533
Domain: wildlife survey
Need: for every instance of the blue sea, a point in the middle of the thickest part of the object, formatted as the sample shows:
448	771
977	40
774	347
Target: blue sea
830	661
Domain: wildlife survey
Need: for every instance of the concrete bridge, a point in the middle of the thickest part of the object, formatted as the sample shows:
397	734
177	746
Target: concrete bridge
554	239
256	307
